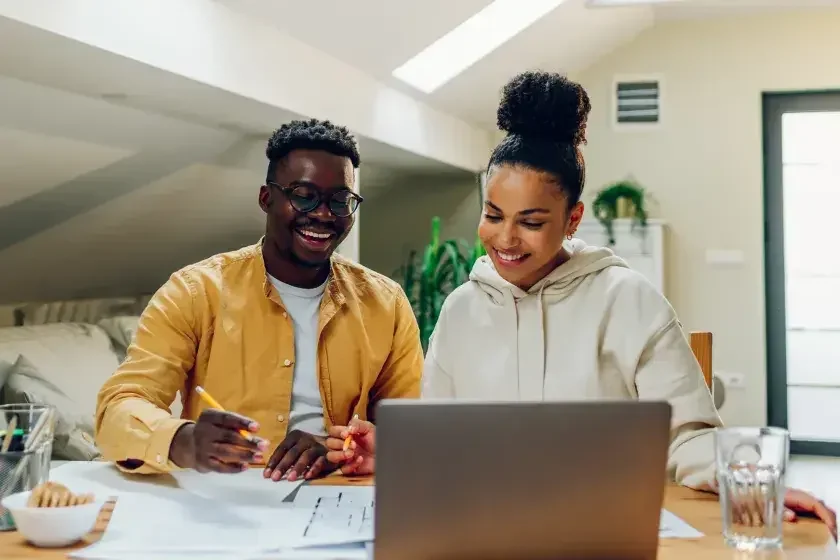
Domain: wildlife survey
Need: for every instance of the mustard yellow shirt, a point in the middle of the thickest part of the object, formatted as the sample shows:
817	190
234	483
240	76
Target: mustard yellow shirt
221	324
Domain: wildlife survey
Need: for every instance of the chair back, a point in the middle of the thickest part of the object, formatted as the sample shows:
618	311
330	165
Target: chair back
701	345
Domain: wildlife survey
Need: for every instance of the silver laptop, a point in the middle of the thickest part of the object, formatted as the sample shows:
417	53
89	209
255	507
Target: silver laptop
465	480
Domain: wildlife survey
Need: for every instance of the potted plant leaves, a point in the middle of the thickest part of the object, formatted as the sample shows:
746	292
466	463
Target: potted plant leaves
429	277
624	199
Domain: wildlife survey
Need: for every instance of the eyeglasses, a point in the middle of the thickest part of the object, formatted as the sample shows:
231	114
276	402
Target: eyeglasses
306	199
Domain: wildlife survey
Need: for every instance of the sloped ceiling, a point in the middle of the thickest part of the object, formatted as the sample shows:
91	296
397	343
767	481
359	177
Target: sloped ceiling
378	36
100	199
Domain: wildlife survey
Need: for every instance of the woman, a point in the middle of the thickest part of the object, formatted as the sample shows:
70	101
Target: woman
546	317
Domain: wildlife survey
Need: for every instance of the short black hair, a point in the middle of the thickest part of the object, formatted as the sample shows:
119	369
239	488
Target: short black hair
312	134
544	115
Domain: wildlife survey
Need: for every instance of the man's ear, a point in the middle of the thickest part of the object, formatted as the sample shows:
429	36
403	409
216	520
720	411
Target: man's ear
265	198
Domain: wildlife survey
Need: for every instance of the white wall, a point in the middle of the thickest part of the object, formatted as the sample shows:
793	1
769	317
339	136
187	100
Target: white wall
399	217
704	166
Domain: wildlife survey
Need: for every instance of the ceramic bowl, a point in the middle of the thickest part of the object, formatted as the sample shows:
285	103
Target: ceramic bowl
52	527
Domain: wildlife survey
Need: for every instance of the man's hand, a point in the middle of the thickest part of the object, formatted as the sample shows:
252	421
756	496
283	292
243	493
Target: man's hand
214	444
360	457
300	454
797	501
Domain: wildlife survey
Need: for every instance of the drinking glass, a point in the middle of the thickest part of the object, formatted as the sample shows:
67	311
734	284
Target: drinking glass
751	467
36	468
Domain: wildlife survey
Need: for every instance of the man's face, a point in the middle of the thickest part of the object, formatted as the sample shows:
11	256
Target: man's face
307	239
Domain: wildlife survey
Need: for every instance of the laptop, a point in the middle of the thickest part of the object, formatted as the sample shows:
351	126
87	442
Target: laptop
469	480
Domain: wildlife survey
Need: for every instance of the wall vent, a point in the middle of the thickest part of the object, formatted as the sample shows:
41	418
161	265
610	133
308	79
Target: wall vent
637	102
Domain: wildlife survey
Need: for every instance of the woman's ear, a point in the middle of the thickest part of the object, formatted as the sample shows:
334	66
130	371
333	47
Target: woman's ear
575	216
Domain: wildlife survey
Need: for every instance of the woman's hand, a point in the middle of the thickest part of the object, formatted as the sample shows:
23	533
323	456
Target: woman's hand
797	501
359	458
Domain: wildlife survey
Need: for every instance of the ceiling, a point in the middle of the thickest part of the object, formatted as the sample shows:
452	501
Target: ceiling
122	158
94	192
50	60
378	36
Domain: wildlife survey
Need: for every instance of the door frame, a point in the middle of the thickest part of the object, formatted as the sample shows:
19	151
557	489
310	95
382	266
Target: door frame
774	105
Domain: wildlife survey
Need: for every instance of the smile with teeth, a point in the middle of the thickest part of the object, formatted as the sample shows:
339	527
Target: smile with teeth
510	257
314	235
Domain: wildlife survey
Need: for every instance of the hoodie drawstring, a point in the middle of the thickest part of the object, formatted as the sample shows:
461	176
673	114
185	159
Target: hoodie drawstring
541	311
509	302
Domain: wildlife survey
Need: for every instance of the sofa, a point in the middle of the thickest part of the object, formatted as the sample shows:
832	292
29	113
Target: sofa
60	354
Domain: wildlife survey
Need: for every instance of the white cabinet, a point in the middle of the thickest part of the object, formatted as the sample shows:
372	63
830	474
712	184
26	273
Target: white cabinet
644	250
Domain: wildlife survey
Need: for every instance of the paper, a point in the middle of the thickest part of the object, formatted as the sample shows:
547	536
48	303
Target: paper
92	553
357	551
189	513
248	488
192	523
347	510
672	527
361	496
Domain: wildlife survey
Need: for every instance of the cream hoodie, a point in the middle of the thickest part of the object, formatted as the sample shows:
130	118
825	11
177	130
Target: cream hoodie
592	329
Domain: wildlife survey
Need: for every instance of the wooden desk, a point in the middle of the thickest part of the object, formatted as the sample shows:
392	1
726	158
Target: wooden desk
805	540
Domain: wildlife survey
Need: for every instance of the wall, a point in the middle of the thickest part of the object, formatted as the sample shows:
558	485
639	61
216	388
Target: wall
98	199
704	165
398	217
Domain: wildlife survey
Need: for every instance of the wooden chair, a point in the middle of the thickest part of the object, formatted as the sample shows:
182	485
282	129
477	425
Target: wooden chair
701	345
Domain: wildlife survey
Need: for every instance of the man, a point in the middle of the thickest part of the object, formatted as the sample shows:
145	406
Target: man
287	336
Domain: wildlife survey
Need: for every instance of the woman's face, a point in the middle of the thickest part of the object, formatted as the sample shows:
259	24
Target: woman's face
524	223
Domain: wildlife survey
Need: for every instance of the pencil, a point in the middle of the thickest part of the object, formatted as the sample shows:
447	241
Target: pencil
349	437
10	434
215	404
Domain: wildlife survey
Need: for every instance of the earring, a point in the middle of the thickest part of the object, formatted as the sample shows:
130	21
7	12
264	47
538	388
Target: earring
570	236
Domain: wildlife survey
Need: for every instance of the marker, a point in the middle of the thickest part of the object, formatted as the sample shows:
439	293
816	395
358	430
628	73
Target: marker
349	439
215	404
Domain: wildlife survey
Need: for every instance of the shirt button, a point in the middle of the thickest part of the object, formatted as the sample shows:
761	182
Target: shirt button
159	459
287	363
280	418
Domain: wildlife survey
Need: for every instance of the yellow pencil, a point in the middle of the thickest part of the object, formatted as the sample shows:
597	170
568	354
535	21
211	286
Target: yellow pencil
215	404
349	439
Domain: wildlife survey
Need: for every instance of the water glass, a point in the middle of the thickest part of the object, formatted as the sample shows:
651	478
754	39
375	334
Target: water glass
751	467
36	469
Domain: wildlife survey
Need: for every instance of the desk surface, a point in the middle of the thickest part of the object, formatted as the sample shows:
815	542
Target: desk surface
805	540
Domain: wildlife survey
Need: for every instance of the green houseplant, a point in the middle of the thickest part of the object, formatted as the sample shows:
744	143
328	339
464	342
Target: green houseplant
624	199
430	276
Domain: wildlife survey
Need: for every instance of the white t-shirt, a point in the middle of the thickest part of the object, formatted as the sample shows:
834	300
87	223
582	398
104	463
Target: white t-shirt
302	305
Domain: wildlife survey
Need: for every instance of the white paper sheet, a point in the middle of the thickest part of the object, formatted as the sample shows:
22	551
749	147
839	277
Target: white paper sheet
91	553
248	488
346	510
357	551
673	527
361	496
190	513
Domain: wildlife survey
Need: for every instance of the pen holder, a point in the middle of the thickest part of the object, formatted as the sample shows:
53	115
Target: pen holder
23	469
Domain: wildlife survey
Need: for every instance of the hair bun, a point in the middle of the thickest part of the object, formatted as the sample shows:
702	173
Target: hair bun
544	105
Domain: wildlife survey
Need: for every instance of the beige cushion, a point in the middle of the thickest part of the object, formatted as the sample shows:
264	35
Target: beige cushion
75	358
121	330
78	311
5	370
74	427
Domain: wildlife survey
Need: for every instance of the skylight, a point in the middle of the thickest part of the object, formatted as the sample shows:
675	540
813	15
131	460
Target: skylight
471	41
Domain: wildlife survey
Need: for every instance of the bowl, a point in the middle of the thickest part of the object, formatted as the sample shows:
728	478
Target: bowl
52	527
